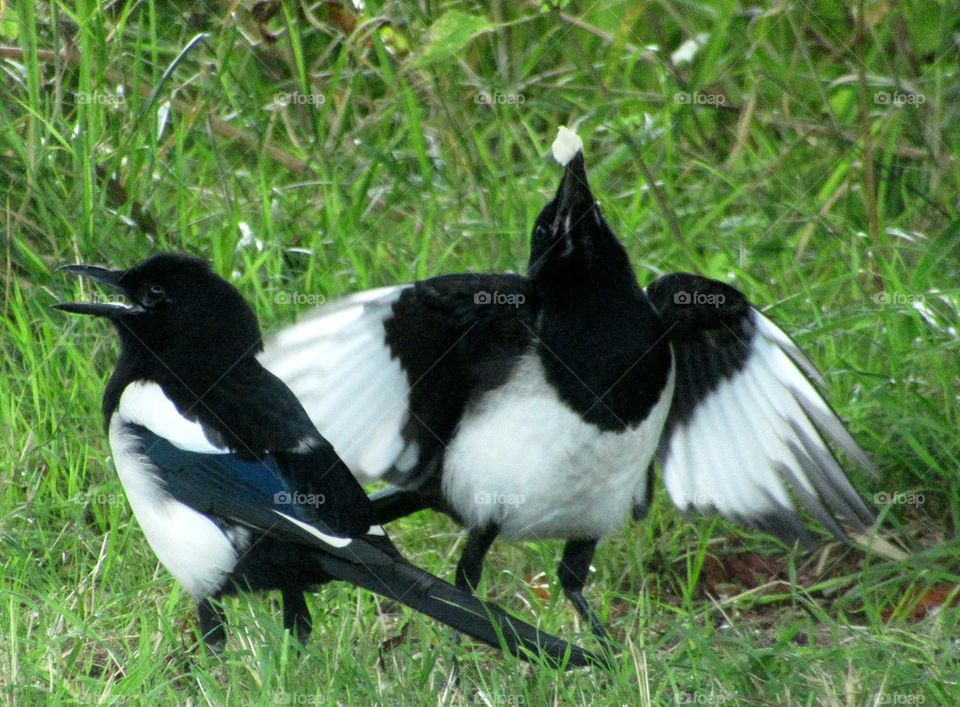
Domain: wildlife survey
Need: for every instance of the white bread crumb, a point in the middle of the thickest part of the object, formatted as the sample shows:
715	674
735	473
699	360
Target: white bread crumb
567	144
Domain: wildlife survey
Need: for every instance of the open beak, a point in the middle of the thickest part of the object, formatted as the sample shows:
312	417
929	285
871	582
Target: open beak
574	199
107	307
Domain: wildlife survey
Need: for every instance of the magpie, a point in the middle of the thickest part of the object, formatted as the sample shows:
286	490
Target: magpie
532	407
231	483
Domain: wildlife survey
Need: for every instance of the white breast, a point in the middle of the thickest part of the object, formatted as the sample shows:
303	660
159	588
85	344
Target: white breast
525	460
192	548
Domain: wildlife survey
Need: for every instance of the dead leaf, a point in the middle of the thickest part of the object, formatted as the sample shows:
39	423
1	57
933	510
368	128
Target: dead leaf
739	571
924	603
539	585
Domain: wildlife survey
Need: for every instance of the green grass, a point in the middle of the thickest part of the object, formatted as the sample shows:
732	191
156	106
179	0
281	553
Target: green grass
421	148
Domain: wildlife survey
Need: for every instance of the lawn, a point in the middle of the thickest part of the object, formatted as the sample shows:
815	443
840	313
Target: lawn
805	152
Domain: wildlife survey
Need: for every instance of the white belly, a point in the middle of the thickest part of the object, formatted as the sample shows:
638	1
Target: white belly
192	548
521	458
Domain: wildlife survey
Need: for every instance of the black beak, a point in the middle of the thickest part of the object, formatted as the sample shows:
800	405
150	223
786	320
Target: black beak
106	307
574	199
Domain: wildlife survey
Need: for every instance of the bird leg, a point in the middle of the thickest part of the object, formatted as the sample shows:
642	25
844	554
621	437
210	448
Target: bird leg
296	616
470	566
212	628
573	570
470	570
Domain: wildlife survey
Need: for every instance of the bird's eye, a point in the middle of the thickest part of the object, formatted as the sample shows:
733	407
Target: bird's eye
153	295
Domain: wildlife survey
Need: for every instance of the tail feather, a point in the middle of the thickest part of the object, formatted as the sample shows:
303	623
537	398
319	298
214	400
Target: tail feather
462	611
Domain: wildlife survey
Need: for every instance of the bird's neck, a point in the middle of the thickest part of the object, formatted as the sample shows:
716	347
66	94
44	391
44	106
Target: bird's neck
602	344
182	379
125	372
591	291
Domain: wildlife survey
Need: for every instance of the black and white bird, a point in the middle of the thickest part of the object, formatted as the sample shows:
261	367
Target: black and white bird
531	407
231	483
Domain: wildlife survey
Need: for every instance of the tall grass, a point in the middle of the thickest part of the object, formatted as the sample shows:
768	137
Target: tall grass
805	152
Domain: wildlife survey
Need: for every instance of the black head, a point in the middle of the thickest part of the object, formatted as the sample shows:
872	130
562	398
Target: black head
571	240
176	309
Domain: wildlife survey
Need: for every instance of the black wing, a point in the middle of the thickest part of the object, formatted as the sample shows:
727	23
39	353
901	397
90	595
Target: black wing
385	374
746	436
266	419
256	494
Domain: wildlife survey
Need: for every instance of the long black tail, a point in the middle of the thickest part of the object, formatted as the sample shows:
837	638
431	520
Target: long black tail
478	619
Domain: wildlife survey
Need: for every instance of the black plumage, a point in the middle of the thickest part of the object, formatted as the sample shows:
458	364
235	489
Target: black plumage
232	484
551	392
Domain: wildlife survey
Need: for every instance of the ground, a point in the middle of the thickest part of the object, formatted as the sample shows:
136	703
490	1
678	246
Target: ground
806	153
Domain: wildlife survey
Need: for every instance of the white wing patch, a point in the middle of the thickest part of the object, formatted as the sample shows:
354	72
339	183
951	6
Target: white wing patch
336	361
755	440
190	545
331	540
144	403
